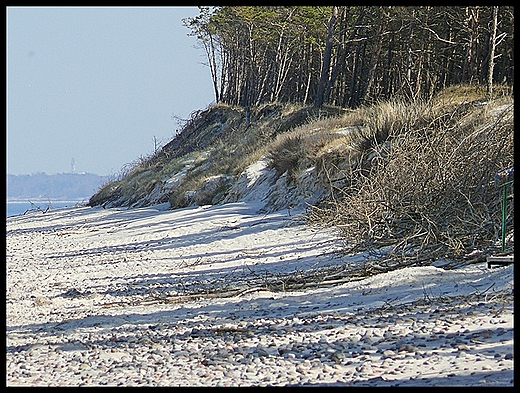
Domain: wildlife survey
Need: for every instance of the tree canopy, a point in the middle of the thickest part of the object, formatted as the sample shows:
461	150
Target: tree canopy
351	55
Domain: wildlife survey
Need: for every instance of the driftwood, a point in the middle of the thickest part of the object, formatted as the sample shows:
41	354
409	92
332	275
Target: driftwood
234	285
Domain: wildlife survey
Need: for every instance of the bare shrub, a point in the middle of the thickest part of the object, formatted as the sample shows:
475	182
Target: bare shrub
425	189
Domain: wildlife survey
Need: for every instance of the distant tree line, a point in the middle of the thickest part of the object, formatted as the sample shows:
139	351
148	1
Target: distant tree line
350	55
65	186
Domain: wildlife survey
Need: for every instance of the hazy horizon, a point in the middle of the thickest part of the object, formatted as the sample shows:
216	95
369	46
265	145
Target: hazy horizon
62	187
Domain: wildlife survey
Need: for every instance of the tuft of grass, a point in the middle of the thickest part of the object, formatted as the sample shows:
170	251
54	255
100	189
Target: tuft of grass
286	153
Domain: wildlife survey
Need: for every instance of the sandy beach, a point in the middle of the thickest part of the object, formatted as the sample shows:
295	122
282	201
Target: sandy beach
155	297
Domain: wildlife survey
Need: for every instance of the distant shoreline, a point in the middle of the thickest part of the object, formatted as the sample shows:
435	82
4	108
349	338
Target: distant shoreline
16	207
46	200
41	188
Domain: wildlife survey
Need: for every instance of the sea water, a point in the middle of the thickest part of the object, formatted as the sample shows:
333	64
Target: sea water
15	208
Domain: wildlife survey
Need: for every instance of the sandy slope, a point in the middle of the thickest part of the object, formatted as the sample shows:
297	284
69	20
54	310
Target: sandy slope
100	297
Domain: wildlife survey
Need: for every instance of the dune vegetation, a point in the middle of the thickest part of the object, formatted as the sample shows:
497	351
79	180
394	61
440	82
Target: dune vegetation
417	177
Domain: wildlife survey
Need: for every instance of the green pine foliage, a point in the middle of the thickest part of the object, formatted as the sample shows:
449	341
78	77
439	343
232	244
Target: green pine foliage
351	55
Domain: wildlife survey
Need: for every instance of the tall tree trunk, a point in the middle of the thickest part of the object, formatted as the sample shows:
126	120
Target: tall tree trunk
326	59
387	73
355	96
492	44
339	60
468	71
376	54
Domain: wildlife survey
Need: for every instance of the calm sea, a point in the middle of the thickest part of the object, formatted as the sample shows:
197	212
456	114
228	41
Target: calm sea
20	207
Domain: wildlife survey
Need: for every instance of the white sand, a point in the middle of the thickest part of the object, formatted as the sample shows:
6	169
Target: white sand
98	297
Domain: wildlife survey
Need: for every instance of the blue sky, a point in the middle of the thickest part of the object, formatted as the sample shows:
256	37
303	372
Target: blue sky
98	85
